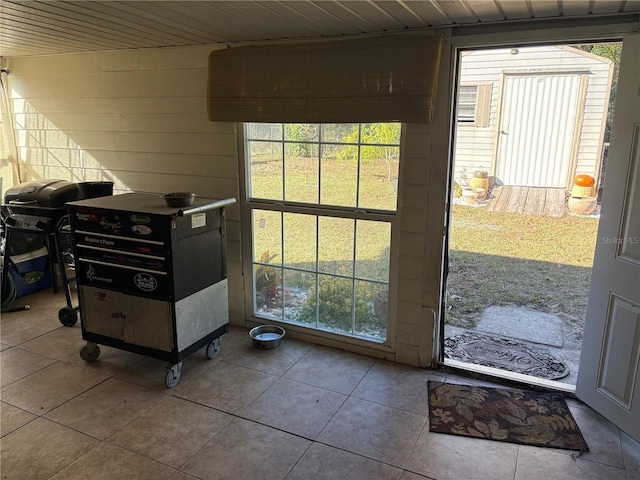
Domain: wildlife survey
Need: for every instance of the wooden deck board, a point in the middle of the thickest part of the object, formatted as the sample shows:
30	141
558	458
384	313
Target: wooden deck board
493	198
536	198
554	207
502	200
517	200
527	200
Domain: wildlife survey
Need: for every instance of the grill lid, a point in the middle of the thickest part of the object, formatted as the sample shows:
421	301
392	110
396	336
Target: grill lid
49	193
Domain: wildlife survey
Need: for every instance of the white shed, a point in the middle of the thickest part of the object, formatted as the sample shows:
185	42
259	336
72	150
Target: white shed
531	116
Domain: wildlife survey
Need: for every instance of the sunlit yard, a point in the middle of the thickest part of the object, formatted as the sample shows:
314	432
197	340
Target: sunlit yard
499	258
495	258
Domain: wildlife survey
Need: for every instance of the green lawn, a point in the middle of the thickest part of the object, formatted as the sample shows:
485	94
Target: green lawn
305	180
333	180
295	244
496	258
499	258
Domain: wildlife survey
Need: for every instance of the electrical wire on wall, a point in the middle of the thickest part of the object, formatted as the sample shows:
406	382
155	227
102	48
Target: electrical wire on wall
8	288
8	131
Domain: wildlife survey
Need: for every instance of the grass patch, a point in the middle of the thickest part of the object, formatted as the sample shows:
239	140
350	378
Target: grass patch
496	258
499	258
327	272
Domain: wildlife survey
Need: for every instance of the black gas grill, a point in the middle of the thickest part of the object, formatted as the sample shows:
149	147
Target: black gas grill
35	215
37	207
32	214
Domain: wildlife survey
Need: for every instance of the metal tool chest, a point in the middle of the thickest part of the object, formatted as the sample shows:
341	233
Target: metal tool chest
151	278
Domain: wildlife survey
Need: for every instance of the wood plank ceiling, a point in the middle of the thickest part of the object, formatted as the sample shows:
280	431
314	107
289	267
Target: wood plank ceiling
56	27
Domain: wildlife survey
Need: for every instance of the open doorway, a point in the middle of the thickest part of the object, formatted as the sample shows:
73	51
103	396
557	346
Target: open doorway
530	148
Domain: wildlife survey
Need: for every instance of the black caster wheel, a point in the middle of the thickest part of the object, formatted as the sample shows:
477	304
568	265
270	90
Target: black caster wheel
68	316
90	352
173	375
213	348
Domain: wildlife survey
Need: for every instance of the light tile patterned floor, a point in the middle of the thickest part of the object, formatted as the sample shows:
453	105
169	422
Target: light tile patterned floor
301	411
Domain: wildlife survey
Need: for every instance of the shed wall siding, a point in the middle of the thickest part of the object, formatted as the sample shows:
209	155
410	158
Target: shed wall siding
474	146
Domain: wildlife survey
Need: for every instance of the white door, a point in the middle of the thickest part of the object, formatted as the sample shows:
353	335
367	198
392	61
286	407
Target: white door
536	129
609	374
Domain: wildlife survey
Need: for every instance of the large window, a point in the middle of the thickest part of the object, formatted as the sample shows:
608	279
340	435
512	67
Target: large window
322	198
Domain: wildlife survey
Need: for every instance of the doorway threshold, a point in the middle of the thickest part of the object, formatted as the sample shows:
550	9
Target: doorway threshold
504	376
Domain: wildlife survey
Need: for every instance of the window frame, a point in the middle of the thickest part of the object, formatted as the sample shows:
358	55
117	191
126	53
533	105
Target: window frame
467	118
355	213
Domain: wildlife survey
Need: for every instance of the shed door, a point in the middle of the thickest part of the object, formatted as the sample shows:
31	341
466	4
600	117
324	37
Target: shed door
536	129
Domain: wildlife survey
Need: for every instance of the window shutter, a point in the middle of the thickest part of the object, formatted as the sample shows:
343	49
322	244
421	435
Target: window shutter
373	79
483	107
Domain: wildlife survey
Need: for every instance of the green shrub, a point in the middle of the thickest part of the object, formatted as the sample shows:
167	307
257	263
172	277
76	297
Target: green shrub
336	305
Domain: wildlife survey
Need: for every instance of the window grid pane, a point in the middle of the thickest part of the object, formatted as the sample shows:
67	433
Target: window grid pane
302	173
467	100
265	167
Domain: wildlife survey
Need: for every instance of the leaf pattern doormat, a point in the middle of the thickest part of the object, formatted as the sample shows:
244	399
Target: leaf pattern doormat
541	419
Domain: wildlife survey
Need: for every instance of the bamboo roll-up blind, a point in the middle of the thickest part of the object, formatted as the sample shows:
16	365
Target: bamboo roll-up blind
373	79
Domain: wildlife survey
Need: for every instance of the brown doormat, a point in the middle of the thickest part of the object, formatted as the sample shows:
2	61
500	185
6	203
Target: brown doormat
541	419
506	354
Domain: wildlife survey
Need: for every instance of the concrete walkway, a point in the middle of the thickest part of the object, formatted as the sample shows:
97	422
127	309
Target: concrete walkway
536	328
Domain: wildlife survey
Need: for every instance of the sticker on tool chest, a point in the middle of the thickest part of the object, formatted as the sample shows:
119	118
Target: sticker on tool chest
86	217
121	258
111	224
120	223
122	244
145	282
141	230
199	220
123	279
140	219
92	276
102	296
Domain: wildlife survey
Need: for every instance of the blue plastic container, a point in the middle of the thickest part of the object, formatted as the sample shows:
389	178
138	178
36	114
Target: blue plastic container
31	272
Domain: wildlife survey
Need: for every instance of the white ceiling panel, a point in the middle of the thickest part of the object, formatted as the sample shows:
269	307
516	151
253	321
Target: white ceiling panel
486	10
546	8
576	8
459	12
328	15
606	6
390	13
517	10
431	12
56	27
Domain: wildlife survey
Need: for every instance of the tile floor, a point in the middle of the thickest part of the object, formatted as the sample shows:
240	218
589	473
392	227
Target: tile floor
301	411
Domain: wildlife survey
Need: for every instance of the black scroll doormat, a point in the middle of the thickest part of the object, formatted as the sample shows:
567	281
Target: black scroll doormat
540	419
506	354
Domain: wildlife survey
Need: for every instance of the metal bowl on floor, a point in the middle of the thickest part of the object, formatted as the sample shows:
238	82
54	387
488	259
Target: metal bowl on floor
266	337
